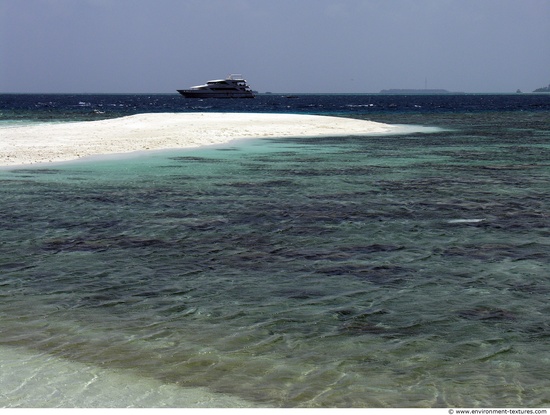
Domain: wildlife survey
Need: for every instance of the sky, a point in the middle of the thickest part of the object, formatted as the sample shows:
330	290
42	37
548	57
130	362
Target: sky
285	46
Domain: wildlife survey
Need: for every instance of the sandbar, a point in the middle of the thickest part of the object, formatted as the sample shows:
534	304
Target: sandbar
55	142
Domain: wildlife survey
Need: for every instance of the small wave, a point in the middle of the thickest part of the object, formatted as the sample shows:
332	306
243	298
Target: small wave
465	220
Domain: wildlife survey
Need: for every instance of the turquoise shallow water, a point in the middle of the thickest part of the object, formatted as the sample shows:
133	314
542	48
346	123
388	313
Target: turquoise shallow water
395	271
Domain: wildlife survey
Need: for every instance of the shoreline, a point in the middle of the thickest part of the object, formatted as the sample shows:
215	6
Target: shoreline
60	142
36	377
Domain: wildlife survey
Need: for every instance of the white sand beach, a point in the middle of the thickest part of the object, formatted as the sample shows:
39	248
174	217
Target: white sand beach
54	142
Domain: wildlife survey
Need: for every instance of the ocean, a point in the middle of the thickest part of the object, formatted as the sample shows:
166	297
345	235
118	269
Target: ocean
407	270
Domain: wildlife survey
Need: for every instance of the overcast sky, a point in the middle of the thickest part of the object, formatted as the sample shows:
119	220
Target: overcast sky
293	46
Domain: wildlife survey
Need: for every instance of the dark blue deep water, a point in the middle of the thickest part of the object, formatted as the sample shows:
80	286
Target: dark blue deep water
92	107
394	271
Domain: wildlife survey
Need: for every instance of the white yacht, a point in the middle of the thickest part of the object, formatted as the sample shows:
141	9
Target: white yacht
234	86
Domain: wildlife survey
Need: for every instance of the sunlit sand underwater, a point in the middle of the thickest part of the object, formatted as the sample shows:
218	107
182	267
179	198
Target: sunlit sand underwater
394	271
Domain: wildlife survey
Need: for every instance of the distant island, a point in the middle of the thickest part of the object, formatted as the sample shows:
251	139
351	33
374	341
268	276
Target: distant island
414	91
544	89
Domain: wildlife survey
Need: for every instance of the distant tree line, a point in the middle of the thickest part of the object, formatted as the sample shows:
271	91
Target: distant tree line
544	89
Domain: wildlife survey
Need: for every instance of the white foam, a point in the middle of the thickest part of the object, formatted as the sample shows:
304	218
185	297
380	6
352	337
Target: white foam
465	220
69	141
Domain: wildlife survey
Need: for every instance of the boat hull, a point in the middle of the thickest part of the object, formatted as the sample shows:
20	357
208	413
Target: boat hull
189	93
